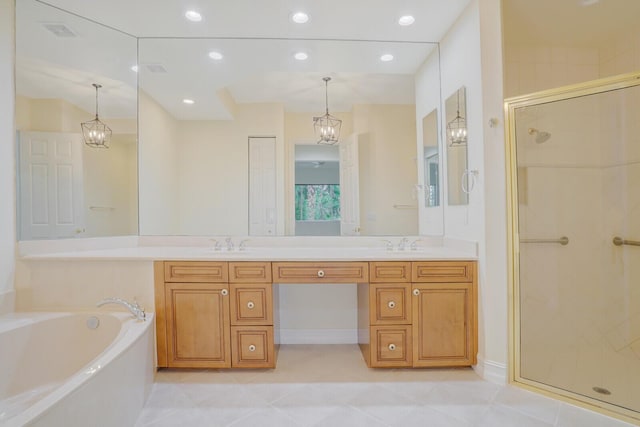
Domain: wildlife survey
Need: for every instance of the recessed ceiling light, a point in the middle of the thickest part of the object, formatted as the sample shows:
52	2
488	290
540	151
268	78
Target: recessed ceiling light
193	16
301	56
134	68
188	101
300	17
386	57
406	20
589	2
215	55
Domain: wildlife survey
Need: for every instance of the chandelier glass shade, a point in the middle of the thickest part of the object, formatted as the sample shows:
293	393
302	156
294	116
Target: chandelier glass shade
457	128
94	132
327	127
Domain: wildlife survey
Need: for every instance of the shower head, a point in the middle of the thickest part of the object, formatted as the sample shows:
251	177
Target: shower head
541	136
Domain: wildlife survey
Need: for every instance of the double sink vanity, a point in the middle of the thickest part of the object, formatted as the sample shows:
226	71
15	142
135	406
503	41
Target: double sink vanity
414	309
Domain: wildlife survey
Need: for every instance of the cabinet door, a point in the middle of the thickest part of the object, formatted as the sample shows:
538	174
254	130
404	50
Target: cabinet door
443	324
198	330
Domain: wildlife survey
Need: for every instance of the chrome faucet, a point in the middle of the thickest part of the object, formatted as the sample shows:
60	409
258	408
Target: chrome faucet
388	244
134	308
414	244
242	246
229	243
402	244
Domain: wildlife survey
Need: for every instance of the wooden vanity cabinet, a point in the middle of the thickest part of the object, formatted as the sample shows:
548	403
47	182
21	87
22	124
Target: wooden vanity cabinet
205	320
192	320
418	314
444	309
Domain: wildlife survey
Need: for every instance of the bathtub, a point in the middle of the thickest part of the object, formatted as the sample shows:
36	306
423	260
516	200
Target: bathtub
74	369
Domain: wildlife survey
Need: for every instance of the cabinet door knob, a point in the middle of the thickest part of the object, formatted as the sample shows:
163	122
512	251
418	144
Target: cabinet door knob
416	292
224	292
391	304
250	304
252	347
320	273
392	347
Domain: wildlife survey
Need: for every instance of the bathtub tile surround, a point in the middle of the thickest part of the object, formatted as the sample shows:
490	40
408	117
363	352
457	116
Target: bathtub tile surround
330	386
7	302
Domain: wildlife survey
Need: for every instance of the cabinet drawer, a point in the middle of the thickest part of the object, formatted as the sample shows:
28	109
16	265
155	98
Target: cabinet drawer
252	347
442	271
251	304
318	272
250	272
391	346
392	303
390	271
195	272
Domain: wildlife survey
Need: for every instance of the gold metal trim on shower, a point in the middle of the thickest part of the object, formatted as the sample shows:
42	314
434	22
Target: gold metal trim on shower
513	238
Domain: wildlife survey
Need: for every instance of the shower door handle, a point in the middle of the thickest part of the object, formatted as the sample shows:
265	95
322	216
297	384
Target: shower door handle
564	240
619	241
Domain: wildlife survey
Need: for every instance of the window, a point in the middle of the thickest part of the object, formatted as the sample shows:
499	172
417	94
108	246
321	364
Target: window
317	202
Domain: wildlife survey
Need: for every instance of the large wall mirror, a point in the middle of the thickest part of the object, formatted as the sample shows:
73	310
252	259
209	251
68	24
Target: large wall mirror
201	100
184	113
456	140
66	188
431	159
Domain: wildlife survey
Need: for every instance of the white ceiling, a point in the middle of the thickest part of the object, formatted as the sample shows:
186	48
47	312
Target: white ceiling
251	71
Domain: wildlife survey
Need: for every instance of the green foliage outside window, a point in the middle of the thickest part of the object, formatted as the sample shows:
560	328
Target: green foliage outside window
317	202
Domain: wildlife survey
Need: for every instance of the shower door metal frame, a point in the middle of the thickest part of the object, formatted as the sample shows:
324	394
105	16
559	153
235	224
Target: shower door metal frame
622	81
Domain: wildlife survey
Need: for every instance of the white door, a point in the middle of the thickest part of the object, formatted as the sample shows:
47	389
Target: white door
262	186
50	180
349	187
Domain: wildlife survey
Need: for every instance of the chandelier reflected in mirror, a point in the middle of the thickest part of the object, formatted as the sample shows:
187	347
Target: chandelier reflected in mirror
457	128
95	133
327	127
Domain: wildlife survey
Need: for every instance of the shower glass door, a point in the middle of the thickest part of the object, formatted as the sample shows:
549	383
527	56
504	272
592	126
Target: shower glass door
575	230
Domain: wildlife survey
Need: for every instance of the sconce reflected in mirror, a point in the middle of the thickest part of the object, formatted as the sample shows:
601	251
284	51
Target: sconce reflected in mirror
431	157
457	167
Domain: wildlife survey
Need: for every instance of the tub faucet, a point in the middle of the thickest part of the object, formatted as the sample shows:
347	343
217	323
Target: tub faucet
135	309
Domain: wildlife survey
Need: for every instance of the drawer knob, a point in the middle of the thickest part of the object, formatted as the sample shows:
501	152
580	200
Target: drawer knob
320	273
416	292
392	347
252	347
391	304
250	305
224	292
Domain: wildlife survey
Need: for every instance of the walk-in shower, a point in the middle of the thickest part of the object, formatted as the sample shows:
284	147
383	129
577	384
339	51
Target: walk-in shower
574	236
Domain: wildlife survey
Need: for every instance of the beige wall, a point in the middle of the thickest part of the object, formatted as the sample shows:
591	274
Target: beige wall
158	173
110	178
388	162
7	156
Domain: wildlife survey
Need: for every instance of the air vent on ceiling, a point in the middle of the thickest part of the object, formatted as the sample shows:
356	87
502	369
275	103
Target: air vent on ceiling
59	30
156	68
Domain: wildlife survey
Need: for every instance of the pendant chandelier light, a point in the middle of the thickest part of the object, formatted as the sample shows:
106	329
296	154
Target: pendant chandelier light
457	128
95	133
327	127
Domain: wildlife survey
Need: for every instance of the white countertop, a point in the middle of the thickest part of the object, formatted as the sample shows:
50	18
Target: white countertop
143	249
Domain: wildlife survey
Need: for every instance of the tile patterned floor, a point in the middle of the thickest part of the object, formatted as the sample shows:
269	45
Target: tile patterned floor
331	386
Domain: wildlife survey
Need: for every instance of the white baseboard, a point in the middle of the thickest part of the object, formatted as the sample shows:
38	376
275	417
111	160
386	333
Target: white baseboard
318	336
491	371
